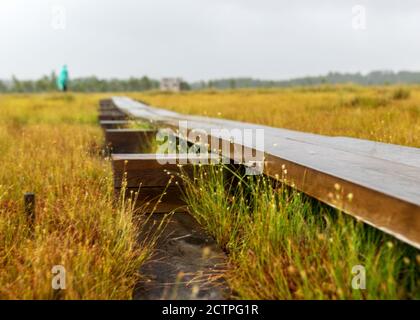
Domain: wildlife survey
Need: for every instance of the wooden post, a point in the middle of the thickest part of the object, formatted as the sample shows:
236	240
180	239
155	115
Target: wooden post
29	200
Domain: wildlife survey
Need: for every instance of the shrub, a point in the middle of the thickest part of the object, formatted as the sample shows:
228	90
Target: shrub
401	94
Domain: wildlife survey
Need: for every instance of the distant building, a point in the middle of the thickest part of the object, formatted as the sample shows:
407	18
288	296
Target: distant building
171	84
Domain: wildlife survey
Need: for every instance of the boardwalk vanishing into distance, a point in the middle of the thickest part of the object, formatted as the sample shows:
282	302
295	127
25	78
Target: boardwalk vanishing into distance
375	182
238	153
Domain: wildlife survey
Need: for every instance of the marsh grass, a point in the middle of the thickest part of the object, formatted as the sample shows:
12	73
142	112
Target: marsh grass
51	145
283	245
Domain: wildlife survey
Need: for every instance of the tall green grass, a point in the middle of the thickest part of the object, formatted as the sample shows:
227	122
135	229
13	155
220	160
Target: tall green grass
283	245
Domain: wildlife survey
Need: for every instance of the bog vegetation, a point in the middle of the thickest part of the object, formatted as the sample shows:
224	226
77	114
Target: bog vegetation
281	244
51	145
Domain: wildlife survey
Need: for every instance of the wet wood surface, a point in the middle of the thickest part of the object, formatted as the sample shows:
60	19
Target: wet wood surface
129	140
152	170
114	124
378	183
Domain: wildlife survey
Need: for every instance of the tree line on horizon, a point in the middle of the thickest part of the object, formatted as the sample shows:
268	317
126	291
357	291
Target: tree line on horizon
87	84
94	84
372	78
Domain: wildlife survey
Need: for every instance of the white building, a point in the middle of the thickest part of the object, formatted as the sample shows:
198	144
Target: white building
171	84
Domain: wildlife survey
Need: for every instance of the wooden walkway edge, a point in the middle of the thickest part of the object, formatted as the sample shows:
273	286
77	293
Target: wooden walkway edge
375	182
186	262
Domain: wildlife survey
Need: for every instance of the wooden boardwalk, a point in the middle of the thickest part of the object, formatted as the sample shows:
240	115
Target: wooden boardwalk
186	262
375	182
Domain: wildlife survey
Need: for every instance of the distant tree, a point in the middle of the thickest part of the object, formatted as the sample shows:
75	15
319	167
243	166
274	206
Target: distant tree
53	81
28	86
185	86
145	83
3	87
94	84
43	84
16	85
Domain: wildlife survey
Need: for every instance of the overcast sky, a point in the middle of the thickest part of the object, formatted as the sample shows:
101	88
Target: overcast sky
203	39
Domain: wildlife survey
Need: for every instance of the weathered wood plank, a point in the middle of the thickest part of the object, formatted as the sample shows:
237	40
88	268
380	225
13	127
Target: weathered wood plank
130	140
150	170
152	178
106	103
109	111
111	116
390	152
114	124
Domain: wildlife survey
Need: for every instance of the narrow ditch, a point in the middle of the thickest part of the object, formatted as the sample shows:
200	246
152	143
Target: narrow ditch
187	263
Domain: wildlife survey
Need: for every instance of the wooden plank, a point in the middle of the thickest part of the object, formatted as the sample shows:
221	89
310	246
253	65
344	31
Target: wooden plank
114	124
106	116
383	179
394	153
115	112
130	140
146	173
111	112
390	152
149	170
111	108
106	103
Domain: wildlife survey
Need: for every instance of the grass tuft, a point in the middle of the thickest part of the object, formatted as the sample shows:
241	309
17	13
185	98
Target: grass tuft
284	245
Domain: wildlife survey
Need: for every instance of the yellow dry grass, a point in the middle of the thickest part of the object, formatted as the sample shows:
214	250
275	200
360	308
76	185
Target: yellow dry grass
51	145
281	244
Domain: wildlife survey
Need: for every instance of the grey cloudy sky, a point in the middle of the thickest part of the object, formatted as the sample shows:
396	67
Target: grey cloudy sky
203	39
